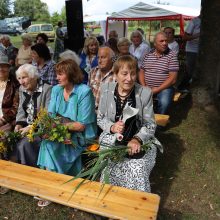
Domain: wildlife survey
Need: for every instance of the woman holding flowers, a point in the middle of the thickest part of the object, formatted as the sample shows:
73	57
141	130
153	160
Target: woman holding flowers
33	94
74	103
133	172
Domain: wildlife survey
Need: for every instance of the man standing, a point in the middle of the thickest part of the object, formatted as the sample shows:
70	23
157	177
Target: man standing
172	44
191	35
103	73
159	71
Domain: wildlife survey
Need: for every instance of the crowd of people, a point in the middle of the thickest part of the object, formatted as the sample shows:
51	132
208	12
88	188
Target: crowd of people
89	91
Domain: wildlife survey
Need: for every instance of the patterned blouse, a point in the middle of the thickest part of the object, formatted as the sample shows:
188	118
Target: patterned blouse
47	73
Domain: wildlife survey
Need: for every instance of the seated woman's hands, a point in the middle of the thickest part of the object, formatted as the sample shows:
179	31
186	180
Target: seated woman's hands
134	146
118	127
23	131
17	128
75	126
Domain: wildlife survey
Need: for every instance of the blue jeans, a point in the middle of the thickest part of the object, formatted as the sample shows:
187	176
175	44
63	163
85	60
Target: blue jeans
164	99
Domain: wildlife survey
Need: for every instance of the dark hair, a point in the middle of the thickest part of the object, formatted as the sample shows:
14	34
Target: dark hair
71	69
101	40
113	44
43	36
141	30
42	51
130	61
60	23
173	30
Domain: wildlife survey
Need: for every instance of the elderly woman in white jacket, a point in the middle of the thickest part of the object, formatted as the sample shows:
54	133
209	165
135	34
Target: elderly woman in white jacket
133	172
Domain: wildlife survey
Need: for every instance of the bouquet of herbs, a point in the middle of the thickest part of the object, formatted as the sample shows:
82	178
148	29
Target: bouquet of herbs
101	159
49	128
8	140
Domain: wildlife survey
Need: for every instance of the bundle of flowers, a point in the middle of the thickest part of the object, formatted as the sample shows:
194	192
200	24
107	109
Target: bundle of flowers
8	140
102	158
49	128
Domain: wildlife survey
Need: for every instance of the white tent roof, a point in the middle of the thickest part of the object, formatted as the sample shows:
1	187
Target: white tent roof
142	10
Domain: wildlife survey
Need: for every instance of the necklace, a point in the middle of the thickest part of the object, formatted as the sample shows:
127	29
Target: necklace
3	84
125	96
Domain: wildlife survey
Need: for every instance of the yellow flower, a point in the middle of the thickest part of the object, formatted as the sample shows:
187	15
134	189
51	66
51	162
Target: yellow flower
3	148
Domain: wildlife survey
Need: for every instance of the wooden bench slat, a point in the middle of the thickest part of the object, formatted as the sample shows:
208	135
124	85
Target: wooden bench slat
176	96
162	120
118	203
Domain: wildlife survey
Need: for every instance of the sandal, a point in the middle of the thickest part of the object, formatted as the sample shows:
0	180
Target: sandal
37	198
43	203
3	190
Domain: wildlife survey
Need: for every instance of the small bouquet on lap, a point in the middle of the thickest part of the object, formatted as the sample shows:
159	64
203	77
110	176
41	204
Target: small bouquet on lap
8	141
49	128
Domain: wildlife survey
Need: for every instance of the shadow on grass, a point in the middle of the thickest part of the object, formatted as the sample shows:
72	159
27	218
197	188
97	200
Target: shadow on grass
166	169
179	110
214	126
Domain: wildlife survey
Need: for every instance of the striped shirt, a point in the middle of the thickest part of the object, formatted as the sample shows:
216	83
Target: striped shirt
157	69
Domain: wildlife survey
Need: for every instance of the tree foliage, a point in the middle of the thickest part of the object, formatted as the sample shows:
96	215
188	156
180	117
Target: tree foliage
55	18
59	17
34	9
5	10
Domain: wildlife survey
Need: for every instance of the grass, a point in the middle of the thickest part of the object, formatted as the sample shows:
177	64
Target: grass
16	41
186	176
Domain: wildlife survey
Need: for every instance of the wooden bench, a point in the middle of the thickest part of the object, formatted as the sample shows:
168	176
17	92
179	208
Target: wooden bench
162	120
114	202
176	96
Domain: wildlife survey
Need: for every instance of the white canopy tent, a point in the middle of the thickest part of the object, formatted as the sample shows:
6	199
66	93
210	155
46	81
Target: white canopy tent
153	12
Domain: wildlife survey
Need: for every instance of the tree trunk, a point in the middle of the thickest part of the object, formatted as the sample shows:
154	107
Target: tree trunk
208	69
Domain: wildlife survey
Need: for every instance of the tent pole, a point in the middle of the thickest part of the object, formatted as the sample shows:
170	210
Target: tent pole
106	31
124	27
181	25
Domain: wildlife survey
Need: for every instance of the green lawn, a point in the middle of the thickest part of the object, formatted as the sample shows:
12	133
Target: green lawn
16	41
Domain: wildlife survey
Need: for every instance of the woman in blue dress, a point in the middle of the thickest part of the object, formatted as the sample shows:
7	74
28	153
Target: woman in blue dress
74	102
89	57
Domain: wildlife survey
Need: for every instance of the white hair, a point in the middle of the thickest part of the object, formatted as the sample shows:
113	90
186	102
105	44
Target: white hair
136	32
110	52
69	54
6	37
28	69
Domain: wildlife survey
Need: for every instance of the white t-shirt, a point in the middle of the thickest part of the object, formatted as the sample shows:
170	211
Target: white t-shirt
192	29
139	51
174	46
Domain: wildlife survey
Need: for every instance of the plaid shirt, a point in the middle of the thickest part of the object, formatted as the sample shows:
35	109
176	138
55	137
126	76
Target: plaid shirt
47	73
96	78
